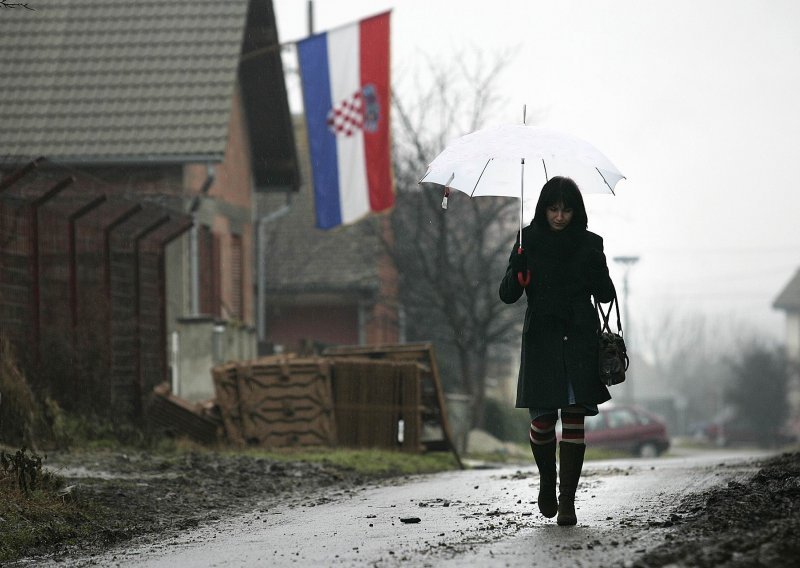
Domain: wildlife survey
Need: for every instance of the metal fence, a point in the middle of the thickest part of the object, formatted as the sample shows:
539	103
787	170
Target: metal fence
82	290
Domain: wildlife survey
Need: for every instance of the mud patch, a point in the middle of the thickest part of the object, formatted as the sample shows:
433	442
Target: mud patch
139	494
755	523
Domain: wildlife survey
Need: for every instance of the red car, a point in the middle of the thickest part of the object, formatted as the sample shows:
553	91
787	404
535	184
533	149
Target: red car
627	428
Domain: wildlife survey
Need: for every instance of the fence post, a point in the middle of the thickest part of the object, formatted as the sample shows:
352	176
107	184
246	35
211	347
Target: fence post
17	175
36	295
119	220
137	238
73	284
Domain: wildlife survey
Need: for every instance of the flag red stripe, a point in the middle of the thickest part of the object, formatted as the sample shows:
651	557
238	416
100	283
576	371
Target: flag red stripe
374	61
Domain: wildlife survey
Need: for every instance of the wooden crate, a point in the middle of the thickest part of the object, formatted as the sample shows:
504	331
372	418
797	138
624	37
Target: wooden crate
278	402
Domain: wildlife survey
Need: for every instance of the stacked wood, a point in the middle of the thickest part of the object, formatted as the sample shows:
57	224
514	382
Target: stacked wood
181	418
386	396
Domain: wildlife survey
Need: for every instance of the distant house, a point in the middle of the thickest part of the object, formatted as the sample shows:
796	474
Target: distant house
334	287
789	302
181	105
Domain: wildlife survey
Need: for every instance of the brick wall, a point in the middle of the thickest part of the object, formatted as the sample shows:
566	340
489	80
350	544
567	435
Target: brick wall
294	326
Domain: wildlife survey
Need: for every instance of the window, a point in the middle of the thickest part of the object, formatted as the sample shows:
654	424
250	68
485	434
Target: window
209	271
237	278
621	418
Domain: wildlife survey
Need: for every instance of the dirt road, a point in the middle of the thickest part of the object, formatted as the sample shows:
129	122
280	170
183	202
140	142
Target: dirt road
627	508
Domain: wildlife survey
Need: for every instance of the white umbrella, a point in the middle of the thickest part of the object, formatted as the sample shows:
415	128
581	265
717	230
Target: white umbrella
505	160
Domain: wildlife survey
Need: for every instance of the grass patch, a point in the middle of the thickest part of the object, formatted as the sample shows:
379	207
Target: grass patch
369	462
604	454
34	514
27	523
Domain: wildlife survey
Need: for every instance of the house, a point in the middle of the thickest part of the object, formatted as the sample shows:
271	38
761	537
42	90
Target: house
179	107
325	287
788	300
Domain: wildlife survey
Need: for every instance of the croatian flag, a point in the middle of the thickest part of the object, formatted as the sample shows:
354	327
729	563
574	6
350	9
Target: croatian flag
345	78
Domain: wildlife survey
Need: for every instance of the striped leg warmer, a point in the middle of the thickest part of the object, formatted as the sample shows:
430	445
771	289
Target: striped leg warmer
572	424
543	429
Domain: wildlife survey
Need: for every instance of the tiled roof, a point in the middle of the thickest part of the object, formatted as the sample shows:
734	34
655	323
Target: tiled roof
101	80
789	298
303	259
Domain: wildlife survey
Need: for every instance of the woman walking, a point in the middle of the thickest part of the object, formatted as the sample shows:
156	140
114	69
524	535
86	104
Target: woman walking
559	365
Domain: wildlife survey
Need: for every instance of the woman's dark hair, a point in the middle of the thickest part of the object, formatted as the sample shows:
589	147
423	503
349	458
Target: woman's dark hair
561	190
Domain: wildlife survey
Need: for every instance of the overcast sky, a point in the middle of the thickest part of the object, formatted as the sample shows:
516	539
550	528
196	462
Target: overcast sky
694	101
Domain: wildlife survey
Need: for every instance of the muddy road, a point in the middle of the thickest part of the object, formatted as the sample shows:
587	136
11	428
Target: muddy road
627	509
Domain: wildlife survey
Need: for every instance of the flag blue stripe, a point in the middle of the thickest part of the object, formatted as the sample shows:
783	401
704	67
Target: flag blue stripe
313	56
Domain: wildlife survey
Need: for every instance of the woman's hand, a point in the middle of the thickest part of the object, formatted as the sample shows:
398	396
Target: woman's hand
519	263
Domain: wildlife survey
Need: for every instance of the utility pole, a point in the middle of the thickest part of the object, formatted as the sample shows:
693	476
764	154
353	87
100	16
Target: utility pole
627	262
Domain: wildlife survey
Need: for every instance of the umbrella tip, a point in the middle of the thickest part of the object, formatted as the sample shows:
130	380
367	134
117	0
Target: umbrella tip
524	113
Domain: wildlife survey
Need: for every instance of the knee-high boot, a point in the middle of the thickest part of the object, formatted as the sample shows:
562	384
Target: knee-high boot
570	473
545	456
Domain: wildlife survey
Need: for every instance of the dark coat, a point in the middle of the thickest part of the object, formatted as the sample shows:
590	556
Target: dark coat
559	337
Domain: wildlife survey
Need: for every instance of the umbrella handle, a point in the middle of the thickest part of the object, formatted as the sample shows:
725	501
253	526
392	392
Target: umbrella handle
523	279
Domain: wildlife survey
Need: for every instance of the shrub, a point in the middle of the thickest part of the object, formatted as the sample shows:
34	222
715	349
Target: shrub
18	409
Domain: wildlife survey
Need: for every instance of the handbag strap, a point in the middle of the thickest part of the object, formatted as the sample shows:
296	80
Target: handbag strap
606	316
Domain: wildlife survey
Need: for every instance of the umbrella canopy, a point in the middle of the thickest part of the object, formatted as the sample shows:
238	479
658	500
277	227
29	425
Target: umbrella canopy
505	160
490	162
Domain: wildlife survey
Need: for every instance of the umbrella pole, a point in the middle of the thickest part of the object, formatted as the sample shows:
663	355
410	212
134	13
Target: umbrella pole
523	279
521	198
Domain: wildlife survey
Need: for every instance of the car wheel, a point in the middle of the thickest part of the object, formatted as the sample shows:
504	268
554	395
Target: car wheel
648	450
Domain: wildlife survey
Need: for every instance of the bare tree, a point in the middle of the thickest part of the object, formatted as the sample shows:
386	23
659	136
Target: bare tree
450	262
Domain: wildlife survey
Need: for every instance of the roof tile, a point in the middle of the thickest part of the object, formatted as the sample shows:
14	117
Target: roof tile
91	79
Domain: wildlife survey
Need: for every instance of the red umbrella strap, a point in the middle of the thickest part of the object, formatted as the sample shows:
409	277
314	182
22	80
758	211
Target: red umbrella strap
523	279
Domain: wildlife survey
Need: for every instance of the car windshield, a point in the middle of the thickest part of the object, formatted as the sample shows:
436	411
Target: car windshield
621	418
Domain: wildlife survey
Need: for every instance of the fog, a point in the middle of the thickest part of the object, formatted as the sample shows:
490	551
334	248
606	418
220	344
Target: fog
694	102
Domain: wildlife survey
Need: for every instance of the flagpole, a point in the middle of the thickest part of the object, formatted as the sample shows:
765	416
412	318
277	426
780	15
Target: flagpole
310	17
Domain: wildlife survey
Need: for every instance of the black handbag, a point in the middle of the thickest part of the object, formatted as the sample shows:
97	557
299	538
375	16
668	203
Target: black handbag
613	357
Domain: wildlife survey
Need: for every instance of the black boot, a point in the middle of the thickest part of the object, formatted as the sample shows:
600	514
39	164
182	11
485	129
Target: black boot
545	456
570	473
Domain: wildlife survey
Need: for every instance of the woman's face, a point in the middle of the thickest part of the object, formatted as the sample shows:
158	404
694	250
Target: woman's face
558	216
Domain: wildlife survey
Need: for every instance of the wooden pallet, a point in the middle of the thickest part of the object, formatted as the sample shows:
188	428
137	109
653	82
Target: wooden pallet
432	409
378	403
